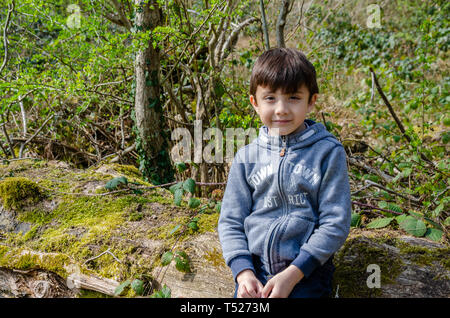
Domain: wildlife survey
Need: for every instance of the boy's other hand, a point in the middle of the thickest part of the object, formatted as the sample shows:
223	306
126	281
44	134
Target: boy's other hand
281	285
249	285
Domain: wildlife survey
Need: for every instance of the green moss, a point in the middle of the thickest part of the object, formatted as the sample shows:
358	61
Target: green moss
424	256
351	271
18	258
208	222
16	192
84	293
128	170
215	258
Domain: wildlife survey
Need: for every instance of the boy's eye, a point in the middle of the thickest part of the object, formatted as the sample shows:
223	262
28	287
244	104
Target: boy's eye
269	98
295	97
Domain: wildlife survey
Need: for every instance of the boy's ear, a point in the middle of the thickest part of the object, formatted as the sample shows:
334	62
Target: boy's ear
253	102
312	102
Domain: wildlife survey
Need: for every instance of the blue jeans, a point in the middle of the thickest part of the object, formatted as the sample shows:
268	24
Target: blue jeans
317	285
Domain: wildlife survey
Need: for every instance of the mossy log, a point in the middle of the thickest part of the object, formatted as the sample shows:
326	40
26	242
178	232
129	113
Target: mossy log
70	225
409	267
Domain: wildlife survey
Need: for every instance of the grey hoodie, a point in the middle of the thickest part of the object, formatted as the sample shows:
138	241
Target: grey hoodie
287	200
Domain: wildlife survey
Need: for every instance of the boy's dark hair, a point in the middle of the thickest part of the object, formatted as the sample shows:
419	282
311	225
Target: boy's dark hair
283	68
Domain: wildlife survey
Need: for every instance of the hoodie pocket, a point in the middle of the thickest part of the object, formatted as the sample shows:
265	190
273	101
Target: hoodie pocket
295	232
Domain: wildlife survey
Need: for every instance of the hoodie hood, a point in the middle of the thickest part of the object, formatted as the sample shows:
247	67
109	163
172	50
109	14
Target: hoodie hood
313	133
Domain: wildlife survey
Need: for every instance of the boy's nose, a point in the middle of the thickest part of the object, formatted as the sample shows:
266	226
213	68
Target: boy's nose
280	108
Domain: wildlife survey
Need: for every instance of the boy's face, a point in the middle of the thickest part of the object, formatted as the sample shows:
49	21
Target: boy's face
282	113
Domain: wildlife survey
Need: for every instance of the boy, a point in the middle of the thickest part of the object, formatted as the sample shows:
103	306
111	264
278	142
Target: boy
286	207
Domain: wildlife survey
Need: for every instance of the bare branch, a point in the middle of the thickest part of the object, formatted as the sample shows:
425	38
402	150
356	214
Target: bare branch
5	33
233	36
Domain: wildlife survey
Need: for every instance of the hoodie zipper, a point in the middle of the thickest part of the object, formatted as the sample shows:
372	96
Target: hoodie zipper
272	234
283	150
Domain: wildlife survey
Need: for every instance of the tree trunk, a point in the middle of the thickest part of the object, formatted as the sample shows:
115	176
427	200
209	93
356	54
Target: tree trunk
151	142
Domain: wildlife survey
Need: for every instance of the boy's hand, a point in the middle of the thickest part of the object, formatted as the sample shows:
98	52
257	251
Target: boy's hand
281	285
249	285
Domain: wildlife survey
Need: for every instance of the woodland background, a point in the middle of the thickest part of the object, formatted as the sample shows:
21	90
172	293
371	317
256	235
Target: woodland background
92	82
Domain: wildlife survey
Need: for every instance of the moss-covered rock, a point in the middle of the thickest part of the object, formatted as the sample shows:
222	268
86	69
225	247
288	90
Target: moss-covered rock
16	192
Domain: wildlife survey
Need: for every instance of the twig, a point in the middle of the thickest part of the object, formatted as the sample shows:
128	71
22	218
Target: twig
371	183
108	252
381	174
35	134
397	120
376	208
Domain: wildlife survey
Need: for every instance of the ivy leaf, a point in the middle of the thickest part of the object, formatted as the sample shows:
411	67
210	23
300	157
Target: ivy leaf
356	220
119	289
138	286
413	226
114	183
189	185
178	196
434	234
193	203
379	223
166	258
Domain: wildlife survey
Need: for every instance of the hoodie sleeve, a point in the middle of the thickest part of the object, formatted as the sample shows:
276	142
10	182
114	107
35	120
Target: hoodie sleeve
236	206
334	207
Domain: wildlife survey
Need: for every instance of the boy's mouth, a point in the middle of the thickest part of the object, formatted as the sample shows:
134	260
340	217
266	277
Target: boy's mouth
281	121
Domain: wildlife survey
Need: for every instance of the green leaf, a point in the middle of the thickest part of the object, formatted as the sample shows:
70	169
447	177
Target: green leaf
382	204
356	220
218	207
178	196
166	258
434	234
114	183
447	221
119	289
438	210
193	225
181	166
166	292
138	286
175	187
182	262
189	185
401	218
163	293
414	226
395	208
193	203
379	223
